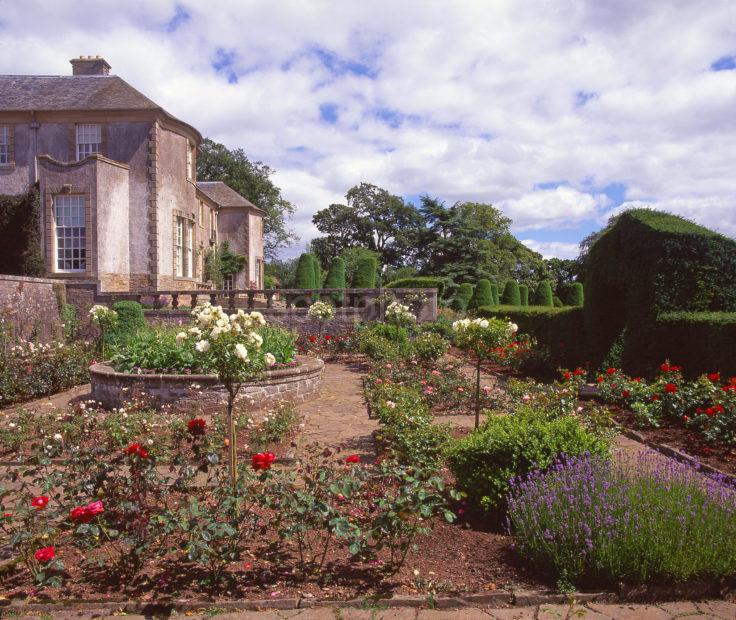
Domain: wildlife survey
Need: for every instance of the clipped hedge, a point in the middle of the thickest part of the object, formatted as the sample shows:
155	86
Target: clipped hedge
511	294
571	293
462	297
494	294
20	235
420	282
647	264
700	342
336	278
365	273
482	295
130	320
561	331
304	278
524	294
543	295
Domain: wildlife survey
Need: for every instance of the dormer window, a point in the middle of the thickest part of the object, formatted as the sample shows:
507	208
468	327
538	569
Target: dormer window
4	144
89	140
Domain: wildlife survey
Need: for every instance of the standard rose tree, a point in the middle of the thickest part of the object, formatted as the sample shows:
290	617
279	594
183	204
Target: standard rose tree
480	337
105	318
399	315
231	346
321	312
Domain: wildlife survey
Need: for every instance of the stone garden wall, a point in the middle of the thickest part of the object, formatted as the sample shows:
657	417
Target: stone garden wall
291	384
30	308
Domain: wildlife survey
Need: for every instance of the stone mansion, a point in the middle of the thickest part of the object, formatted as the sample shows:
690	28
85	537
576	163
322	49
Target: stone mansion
116	174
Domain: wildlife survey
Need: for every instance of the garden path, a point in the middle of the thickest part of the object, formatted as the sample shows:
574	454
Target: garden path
339	417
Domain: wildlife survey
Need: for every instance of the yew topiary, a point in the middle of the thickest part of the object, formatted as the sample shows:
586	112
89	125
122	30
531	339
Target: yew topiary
524	294
543	295
511	294
482	295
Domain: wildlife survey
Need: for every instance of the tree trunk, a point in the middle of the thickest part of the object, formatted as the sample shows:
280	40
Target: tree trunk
233	448
477	393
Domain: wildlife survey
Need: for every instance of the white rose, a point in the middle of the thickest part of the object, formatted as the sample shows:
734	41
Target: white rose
269	359
180	337
202	346
241	352
58	437
514	327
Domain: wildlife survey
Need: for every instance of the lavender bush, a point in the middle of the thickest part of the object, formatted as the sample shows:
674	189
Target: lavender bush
642	519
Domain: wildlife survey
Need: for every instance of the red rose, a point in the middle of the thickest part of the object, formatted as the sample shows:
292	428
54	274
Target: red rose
197	426
84	514
565	375
313	339
599	379
685	419
611	371
137	449
262	460
710	412
714	376
626	393
578	372
636	379
665	367
655	397
720	409
354	458
39	503
670	388
328	337
46	554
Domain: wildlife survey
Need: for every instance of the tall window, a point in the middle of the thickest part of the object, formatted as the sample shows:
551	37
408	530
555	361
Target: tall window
189	251
179	248
89	140
213	226
228	282
4	144
71	233
259	272
190	160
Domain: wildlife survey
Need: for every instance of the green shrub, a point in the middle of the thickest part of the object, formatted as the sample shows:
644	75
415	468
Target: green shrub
462	298
20	235
482	295
269	282
650	263
543	295
130	320
336	279
429	347
558	331
316	267
512	445
572	294
494	294
524	294
557	302
442	326
511	294
420	282
378	347
365	273
305	273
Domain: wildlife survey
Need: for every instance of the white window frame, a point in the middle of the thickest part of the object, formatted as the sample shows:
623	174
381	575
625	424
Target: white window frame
228	282
89	140
179	248
4	144
70	233
213	226
190	161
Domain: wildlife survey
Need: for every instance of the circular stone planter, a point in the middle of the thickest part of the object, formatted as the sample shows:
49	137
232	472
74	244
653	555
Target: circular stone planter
294	383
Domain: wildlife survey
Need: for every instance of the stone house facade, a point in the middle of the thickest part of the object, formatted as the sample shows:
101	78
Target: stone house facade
121	205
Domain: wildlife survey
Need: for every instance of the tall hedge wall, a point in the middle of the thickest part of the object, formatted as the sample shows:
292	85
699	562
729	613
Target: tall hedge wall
365	273
647	264
558	330
20	235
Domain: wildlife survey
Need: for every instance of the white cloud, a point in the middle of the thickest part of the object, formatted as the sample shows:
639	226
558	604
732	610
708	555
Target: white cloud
552	249
466	100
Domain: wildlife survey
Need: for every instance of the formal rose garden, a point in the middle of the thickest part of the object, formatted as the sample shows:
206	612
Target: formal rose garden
482	474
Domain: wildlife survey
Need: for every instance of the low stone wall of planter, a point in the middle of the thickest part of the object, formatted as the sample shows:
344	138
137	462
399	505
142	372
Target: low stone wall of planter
293	383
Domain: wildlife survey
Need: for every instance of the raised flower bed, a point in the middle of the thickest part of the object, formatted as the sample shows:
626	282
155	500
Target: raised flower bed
296	383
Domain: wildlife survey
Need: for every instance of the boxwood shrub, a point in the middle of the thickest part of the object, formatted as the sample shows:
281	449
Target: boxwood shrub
512	445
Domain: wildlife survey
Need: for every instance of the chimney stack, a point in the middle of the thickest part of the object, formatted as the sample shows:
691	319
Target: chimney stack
90	65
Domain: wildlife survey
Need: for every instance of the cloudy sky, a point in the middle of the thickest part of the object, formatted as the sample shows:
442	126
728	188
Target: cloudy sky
559	112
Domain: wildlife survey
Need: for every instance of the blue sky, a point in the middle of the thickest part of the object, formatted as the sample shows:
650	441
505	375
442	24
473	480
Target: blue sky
560	114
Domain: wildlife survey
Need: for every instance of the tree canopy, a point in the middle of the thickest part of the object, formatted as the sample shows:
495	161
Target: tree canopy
252	180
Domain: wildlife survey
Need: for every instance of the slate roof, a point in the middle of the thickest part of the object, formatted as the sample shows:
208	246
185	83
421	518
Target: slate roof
224	195
70	92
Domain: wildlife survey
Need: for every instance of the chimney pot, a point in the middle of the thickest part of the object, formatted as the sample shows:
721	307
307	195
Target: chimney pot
90	65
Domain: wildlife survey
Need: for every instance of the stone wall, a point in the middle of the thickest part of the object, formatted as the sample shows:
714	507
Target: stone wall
30	307
292	384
